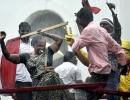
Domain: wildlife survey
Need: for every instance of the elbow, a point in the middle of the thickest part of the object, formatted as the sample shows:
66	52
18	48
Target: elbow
59	42
6	55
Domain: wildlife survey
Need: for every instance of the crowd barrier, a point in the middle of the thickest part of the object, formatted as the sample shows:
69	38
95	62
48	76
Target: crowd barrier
96	87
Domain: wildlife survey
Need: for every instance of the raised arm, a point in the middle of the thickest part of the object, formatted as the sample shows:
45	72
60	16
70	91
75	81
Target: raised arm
117	26
57	41
11	57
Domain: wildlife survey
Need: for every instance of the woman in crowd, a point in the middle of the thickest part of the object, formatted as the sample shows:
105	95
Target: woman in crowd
38	65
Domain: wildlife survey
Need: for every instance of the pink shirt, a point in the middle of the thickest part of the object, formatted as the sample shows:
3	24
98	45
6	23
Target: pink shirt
98	42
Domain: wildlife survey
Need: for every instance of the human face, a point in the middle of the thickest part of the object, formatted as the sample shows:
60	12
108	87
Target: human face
39	47
24	32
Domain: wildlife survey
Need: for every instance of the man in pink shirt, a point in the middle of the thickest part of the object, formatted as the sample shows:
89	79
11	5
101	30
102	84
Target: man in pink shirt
97	42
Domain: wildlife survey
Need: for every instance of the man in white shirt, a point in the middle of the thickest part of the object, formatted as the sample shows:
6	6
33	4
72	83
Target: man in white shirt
23	78
20	77
71	74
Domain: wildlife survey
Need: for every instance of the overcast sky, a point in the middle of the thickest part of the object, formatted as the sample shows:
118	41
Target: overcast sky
15	11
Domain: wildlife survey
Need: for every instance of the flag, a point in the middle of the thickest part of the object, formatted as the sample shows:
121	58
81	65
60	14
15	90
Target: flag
8	69
94	10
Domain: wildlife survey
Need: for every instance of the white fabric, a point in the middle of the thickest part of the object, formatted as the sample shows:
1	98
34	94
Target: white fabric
22	73
69	73
57	59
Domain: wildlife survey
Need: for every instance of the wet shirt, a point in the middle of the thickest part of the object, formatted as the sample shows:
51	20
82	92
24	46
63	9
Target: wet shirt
98	42
35	64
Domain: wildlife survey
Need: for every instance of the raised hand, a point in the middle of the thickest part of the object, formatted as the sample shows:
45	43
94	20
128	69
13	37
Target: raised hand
41	33
2	35
111	5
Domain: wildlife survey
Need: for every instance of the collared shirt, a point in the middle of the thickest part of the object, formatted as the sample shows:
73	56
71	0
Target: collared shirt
98	42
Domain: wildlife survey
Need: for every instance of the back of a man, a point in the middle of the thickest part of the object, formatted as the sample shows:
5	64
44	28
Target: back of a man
71	74
68	72
98	42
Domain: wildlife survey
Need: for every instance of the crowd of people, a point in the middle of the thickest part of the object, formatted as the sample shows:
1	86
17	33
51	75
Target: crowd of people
30	61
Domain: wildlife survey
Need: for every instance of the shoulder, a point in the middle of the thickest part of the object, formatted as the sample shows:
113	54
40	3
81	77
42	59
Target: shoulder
92	26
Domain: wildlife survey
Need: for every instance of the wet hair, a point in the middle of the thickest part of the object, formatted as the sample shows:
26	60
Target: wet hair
85	16
24	27
36	38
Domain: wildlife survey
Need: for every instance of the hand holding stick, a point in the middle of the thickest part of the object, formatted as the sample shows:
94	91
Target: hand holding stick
111	5
45	29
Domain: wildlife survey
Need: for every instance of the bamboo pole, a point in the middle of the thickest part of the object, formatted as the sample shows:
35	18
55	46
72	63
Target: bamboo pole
45	29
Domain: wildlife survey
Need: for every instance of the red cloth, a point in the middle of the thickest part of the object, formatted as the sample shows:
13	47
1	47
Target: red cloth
94	10
8	69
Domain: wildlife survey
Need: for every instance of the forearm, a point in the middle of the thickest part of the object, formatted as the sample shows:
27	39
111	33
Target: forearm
116	22
4	50
114	15
13	58
56	38
117	29
57	41
82	57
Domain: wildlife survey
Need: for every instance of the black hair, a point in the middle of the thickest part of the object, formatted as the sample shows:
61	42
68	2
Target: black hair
85	16
35	39
24	27
68	56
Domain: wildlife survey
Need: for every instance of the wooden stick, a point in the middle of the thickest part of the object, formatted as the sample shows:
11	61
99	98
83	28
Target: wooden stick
45	29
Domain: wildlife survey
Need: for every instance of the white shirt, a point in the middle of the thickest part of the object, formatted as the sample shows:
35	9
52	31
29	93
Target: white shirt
69	73
22	73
